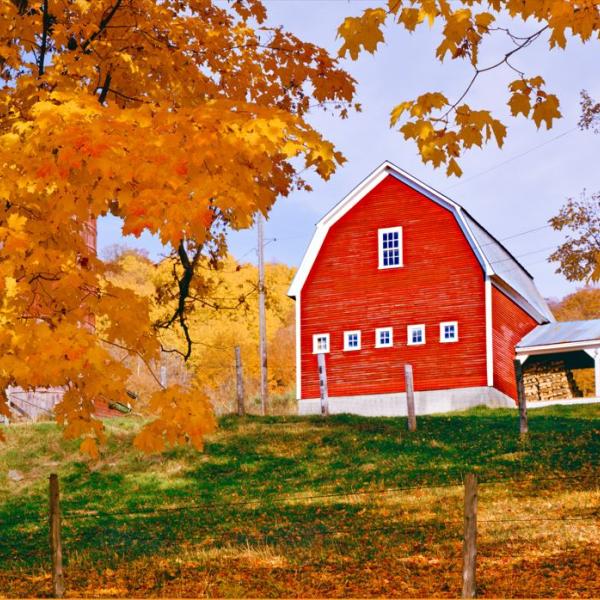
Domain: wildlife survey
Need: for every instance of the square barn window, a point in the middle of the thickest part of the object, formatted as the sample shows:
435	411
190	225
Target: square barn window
351	340
449	332
320	343
416	335
384	337
390	248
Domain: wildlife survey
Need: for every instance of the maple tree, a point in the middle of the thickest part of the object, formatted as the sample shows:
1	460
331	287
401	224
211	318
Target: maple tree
181	117
442	128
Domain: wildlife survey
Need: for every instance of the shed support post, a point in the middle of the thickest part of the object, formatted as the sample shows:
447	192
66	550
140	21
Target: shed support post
323	385
523	425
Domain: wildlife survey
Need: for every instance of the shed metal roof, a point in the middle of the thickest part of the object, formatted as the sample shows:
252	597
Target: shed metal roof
563	332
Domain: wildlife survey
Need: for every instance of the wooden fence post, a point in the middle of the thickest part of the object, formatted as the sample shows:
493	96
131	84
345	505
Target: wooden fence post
323	384
410	397
523	425
470	537
239	376
58	580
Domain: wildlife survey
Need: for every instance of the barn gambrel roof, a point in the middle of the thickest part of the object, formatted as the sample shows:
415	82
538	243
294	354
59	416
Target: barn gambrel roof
496	261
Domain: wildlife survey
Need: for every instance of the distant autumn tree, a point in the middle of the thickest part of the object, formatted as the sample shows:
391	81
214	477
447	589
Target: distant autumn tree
443	127
581	305
590	113
579	255
184	118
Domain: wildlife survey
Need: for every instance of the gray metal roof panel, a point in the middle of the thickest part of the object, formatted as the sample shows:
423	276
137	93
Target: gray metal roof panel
508	268
562	332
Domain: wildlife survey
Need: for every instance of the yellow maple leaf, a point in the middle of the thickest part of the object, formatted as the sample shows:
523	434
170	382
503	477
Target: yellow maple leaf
398	110
10	287
453	168
362	32
546	111
519	104
16	222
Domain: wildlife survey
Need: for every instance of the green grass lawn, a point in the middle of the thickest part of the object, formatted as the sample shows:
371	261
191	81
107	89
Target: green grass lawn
258	513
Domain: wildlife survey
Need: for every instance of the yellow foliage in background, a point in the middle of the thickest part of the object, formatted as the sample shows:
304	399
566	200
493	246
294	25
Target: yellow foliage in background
226	317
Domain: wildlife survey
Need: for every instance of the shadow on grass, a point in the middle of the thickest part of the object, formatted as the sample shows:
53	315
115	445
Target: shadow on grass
190	499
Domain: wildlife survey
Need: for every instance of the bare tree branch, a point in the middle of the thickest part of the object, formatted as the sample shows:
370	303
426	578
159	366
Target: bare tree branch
183	283
103	23
526	42
105	89
44	44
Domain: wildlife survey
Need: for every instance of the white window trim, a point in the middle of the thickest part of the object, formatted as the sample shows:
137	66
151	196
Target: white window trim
380	330
346	335
380	233
316	350
409	332
445	324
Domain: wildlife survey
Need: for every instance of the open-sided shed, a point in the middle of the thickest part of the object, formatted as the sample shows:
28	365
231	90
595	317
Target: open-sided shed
574	343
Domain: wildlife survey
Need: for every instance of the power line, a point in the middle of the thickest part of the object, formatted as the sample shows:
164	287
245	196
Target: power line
495	262
262	318
508	160
516	235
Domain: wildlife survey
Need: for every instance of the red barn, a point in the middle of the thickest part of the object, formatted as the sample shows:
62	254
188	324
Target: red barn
398	273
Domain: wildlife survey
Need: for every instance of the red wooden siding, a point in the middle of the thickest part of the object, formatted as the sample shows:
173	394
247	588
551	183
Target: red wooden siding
441	281
510	323
90	234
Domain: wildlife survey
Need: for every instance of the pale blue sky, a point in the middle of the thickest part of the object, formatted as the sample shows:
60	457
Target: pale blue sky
509	191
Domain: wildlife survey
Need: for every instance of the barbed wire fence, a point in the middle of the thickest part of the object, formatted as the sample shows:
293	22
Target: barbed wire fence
140	529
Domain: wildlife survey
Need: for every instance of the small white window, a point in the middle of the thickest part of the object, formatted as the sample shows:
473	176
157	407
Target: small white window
384	337
320	343
351	340
416	335
449	332
390	248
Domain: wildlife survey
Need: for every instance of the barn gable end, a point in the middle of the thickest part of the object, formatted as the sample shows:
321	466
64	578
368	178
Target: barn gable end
441	280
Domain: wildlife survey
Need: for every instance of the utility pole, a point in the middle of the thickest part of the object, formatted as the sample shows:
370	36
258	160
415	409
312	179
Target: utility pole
262	324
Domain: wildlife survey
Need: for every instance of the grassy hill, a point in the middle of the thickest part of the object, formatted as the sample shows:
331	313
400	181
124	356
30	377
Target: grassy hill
291	506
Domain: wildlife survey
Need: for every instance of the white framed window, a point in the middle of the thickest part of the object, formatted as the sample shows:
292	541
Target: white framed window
390	247
416	335
320	343
384	337
449	332
351	340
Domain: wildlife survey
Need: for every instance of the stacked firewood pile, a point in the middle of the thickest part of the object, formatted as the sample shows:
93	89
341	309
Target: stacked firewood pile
549	381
